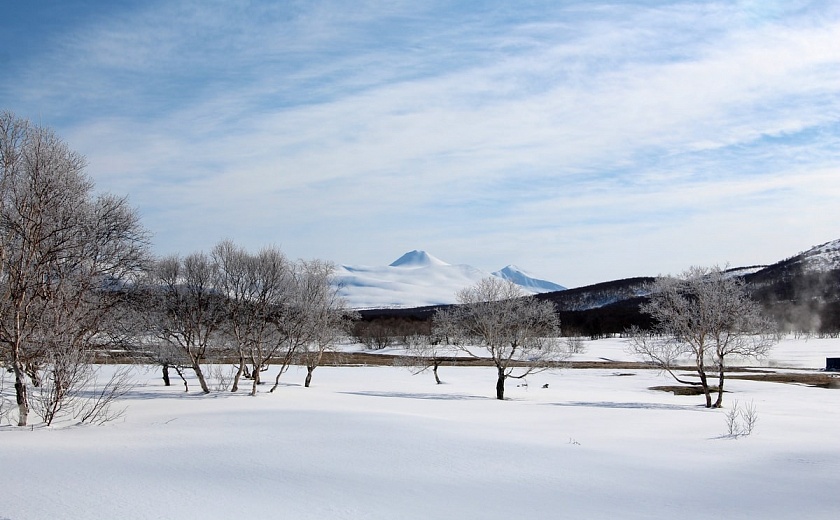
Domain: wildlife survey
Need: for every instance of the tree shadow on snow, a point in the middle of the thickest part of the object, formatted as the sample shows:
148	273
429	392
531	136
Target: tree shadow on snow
628	406
409	395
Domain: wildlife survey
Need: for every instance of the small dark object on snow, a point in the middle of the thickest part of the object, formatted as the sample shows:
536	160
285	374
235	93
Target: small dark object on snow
545	385
832	364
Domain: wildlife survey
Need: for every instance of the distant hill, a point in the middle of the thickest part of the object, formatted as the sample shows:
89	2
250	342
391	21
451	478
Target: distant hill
801	293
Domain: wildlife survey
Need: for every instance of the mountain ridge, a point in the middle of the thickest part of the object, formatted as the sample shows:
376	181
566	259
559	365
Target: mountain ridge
526	280
418	279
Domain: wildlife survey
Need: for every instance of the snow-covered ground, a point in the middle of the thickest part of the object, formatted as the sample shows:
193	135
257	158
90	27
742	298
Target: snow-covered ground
377	442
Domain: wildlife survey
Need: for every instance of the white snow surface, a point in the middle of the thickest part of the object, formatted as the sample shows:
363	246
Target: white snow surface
416	279
380	443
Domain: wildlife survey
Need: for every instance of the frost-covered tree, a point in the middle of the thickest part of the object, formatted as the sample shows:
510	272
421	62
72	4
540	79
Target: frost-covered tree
494	318
424	352
323	309
255	287
705	316
311	320
185	309
66	257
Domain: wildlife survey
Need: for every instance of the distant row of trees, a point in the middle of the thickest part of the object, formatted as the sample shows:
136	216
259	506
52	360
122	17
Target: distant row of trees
255	310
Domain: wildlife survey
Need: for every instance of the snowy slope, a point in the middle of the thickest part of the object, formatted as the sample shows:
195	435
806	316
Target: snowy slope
526	280
825	257
415	259
416	279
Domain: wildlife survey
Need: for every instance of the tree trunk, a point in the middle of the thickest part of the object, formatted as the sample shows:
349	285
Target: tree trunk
276	382
434	371
719	401
308	380
239	371
184	379
704	383
22	399
500	385
255	382
200	375
283	367
165	370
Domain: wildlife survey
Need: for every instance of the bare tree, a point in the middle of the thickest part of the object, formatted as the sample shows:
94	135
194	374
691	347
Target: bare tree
64	255
255	288
322	311
65	372
292	324
704	316
186	309
424	352
494	317
167	355
97	408
70	387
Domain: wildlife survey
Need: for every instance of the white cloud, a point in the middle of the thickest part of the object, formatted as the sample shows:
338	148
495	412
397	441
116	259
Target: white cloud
545	135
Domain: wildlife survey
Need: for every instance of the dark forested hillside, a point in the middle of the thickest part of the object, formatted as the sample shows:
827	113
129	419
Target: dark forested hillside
801	293
799	299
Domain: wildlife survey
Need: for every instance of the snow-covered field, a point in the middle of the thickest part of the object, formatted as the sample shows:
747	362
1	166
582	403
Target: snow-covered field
377	442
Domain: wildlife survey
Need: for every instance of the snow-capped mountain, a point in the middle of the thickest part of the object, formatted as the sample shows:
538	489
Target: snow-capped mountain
526	280
415	259
418	279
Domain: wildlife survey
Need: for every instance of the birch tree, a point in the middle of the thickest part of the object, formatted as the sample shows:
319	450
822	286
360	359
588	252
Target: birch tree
706	317
424	352
65	256
322	310
186	310
255	288
495	319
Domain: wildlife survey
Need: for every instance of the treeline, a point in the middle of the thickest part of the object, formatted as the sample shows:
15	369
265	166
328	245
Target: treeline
380	328
796	299
595	311
251	310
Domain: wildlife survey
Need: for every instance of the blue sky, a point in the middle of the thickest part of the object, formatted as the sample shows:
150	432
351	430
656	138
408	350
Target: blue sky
580	140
